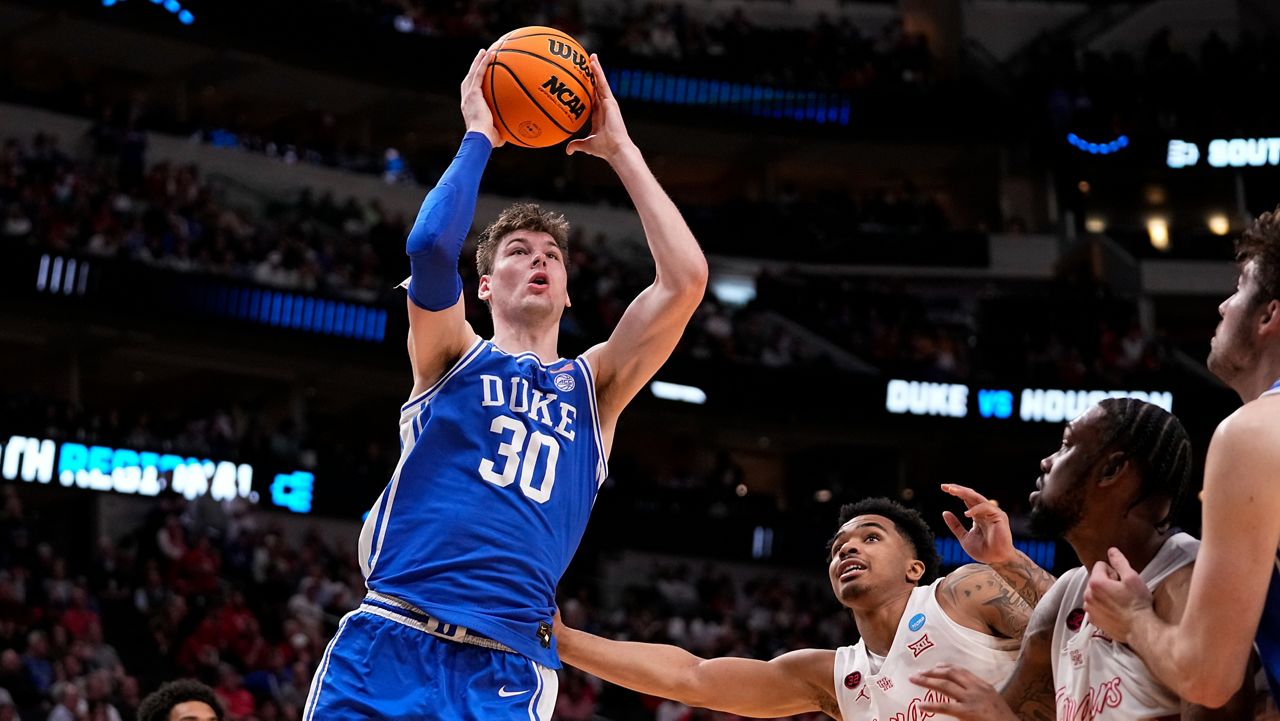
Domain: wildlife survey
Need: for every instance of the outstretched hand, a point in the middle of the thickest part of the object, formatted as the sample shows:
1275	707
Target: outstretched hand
1115	596
970	698
608	133
475	111
989	540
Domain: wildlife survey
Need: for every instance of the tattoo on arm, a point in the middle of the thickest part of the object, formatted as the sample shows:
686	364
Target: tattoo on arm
963	583
1035	700
980	588
1027	579
1011	612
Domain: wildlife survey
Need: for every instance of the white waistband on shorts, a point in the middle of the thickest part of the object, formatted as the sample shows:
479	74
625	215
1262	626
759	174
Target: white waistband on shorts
405	613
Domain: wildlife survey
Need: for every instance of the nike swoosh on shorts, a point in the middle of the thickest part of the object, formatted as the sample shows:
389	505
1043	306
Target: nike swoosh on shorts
503	692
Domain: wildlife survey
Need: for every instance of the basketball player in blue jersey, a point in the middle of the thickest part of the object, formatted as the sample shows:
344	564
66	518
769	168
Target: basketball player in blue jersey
504	445
1234	599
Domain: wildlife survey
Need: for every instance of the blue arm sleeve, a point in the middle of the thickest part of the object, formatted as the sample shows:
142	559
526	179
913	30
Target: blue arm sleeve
435	242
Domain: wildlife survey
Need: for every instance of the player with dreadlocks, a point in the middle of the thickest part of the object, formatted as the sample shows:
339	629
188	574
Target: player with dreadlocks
1115	482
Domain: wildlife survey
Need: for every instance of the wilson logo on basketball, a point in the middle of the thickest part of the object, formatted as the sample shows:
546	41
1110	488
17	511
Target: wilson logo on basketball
562	49
565	95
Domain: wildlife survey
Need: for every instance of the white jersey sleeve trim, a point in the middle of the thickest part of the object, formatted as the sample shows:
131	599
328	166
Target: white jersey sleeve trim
435	388
602	468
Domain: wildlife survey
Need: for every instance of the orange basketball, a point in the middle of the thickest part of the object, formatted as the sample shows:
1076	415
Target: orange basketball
539	87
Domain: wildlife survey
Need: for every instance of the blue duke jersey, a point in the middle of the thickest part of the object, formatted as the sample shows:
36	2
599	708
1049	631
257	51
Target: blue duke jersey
499	467
1268	636
1267	640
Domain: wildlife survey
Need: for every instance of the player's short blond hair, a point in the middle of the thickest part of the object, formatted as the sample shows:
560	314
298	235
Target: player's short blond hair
521	216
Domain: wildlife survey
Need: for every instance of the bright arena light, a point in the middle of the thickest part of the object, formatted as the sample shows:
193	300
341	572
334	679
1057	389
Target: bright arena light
1095	224
1158	230
677	392
1219	224
733	290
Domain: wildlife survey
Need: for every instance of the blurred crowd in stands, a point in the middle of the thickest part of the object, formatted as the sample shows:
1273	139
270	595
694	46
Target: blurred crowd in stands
1167	88
109	203
193	590
1158	90
1062	85
828	53
112	204
1048	333
223	594
708	612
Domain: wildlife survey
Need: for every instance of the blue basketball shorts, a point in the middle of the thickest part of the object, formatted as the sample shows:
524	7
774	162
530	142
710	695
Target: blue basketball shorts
379	668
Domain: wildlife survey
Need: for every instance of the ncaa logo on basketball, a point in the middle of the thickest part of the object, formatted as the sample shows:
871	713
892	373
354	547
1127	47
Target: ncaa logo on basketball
565	382
917	622
565	96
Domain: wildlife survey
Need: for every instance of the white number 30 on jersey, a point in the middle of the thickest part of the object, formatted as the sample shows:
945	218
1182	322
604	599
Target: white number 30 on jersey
514	450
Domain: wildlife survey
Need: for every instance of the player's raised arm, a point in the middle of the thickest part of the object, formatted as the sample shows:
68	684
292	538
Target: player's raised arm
1203	655
793	683
438	328
654	321
990	541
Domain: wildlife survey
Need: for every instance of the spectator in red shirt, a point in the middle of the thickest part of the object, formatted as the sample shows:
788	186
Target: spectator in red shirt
199	568
235	699
79	616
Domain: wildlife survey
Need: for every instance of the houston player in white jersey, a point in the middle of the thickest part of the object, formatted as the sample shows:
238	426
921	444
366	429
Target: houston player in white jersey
1234	601
1115	482
882	565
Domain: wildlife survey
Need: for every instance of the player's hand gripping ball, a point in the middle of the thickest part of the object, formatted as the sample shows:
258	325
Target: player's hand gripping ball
539	87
